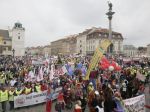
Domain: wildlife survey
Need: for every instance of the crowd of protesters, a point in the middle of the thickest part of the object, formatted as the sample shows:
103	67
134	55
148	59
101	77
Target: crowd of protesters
104	91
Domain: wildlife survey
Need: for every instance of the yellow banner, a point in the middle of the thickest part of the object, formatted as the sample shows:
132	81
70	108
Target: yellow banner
98	54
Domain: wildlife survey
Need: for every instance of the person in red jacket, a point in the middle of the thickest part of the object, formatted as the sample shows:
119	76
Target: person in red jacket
49	99
43	86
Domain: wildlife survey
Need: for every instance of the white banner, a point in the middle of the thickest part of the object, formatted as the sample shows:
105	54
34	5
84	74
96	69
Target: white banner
31	99
34	98
135	104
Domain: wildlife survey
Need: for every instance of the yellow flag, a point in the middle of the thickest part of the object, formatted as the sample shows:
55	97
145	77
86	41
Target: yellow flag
98	54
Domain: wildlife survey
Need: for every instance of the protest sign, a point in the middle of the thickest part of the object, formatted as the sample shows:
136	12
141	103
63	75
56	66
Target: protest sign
135	104
34	98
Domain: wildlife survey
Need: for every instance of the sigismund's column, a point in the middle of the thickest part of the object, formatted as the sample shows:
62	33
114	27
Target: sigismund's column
110	14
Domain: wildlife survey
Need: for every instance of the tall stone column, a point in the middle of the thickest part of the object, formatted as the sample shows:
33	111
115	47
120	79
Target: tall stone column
110	14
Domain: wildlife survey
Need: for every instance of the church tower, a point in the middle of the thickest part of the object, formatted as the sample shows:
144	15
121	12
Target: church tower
18	39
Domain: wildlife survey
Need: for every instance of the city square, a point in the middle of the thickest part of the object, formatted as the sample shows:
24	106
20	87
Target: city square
74	56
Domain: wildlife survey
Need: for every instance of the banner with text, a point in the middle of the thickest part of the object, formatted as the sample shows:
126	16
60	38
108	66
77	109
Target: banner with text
98	54
135	104
34	98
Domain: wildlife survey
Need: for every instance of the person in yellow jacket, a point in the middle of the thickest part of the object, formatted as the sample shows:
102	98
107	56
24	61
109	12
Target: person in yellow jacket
28	89
18	91
11	98
90	87
3	98
2	79
38	87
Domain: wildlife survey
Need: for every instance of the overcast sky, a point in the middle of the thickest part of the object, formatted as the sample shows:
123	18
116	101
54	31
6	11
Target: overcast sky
49	20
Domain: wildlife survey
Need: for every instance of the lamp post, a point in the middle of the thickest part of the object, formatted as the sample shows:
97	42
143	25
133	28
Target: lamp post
110	14
13	51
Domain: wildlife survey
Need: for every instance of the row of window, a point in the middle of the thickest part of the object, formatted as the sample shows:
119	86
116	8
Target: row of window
105	35
6	48
90	48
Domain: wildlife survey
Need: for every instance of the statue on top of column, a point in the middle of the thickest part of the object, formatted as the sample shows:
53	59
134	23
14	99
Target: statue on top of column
110	5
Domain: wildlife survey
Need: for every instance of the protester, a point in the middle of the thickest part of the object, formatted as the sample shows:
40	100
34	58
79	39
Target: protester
3	98
11	98
49	97
108	82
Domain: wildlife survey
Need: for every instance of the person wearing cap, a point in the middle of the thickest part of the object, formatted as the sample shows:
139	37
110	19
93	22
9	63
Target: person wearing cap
3	98
11	98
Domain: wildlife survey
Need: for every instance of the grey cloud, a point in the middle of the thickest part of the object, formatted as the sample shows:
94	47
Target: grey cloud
48	20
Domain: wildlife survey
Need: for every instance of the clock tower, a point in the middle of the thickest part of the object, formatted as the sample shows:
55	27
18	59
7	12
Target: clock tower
18	39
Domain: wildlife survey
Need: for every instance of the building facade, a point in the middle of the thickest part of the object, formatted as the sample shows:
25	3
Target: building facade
47	50
91	38
13	40
81	42
65	46
5	43
130	50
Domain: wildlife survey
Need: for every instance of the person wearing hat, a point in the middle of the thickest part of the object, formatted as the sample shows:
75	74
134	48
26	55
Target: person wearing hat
3	98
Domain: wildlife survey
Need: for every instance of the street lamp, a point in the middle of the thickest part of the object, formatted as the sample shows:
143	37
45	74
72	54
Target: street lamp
13	51
110	14
26	53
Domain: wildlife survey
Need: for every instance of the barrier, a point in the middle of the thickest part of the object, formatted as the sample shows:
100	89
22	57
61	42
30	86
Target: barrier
33	98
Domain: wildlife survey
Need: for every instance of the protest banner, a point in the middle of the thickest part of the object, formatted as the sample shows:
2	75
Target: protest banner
31	99
135	104
34	98
98	54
